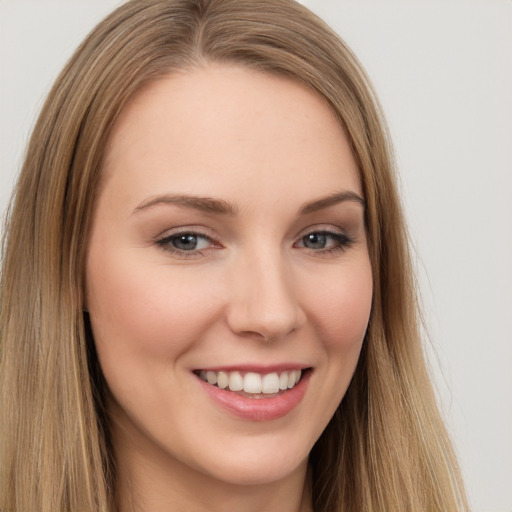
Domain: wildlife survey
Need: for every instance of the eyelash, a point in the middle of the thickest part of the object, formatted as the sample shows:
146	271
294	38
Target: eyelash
166	243
342	240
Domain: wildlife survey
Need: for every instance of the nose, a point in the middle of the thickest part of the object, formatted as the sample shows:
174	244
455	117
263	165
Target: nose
264	301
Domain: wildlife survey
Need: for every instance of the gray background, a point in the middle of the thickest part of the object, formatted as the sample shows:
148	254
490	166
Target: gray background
443	71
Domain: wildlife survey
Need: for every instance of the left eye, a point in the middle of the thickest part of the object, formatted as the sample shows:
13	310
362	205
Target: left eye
186	242
324	240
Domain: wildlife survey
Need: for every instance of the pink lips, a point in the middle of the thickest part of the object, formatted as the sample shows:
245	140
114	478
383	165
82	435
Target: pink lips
258	409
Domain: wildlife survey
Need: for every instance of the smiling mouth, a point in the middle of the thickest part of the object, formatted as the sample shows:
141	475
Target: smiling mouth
252	384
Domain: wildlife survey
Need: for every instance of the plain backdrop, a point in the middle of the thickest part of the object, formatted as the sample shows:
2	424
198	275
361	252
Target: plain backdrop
443	72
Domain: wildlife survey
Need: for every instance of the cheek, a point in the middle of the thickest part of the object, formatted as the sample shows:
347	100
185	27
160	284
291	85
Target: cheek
342	307
146	309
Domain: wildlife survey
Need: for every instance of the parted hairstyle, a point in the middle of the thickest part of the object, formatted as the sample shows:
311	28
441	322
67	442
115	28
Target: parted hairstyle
385	449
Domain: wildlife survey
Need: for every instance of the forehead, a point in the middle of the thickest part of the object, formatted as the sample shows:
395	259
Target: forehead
211	129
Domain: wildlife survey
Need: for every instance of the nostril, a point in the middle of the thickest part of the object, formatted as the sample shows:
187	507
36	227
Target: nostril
263	325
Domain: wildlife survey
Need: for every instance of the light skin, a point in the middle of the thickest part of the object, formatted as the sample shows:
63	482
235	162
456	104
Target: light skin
228	231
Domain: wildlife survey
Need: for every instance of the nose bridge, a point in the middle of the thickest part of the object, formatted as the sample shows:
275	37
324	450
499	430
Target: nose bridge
264	301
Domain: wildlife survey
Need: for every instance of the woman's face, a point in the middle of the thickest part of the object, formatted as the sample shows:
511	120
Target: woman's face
228	250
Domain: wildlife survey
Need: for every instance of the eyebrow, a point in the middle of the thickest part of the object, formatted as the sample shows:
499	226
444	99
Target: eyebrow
331	200
204	204
221	207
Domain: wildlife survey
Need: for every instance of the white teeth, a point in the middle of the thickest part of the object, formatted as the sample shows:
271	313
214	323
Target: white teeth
270	383
236	382
252	382
291	380
222	380
211	377
283	381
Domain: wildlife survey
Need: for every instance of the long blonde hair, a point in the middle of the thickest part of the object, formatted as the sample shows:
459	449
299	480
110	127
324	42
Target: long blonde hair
385	449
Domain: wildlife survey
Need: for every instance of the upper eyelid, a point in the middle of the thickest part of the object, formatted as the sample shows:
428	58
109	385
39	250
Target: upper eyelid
334	234
322	228
182	230
331	232
210	233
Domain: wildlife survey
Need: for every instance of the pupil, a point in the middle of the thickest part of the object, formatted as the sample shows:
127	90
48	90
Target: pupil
315	241
185	242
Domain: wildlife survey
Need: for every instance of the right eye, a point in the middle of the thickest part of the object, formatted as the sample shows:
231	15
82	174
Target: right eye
185	243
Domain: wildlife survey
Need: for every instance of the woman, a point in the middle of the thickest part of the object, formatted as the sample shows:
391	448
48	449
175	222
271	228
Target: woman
215	307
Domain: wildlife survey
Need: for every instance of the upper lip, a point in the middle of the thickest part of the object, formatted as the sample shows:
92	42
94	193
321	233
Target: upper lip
256	368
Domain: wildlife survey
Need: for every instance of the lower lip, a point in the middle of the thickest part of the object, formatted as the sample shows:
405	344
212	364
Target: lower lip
258	409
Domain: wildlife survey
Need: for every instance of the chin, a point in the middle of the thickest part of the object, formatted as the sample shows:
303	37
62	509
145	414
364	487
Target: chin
246	471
